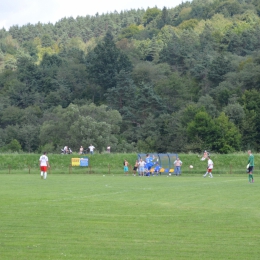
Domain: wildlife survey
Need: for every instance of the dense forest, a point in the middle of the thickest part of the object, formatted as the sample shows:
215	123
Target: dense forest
180	79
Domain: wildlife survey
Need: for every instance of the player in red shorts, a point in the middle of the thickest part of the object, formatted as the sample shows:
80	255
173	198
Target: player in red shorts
209	169
44	165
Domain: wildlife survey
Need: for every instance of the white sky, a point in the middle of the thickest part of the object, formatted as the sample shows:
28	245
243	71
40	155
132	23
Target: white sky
22	12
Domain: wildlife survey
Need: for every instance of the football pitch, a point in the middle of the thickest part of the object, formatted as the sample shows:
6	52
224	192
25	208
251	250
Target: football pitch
87	216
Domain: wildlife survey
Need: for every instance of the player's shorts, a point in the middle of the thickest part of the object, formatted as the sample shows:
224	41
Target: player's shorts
43	168
209	170
135	168
250	168
141	168
125	169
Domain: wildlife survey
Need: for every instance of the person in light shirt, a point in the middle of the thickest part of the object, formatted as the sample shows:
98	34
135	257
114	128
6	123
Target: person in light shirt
91	149
209	169
177	163
141	167
44	165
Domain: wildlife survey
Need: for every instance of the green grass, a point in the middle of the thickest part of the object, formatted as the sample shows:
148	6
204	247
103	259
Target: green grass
91	216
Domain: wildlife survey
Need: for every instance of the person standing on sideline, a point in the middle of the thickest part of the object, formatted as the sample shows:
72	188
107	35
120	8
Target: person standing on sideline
126	167
91	149
209	169
251	163
108	149
135	167
177	163
141	167
44	164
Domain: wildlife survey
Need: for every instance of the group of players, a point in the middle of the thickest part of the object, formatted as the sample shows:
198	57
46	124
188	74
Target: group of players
144	166
250	165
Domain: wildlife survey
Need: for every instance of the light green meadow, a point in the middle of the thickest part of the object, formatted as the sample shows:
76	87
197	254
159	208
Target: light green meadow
111	216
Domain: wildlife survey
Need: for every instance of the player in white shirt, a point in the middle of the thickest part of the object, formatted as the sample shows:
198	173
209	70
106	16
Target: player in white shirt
44	164
209	169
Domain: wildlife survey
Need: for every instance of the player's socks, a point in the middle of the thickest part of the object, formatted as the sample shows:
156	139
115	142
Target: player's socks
45	175
210	175
42	175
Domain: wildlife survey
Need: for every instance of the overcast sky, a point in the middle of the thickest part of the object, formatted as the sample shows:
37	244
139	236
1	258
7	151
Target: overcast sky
22	12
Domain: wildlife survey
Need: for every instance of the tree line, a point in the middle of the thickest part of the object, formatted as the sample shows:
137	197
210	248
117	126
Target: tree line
172	80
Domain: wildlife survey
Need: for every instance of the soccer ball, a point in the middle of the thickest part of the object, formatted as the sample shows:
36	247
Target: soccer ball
170	174
191	166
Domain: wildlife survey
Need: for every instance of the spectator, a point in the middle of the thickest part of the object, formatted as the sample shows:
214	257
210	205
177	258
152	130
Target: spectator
135	167
141	167
126	167
91	149
81	150
177	163
65	149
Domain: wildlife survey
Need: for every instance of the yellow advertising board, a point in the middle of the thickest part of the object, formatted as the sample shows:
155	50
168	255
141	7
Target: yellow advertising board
75	161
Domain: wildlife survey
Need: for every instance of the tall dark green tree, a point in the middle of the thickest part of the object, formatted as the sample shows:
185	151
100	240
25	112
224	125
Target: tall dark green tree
105	61
123	96
218	68
202	131
251	123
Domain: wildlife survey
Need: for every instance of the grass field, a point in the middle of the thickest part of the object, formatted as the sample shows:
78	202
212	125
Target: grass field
91	216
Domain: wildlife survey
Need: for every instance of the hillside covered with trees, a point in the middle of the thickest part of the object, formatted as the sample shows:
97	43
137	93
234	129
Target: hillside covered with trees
171	80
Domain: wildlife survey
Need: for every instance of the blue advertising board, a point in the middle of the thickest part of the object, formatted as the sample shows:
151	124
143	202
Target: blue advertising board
83	161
